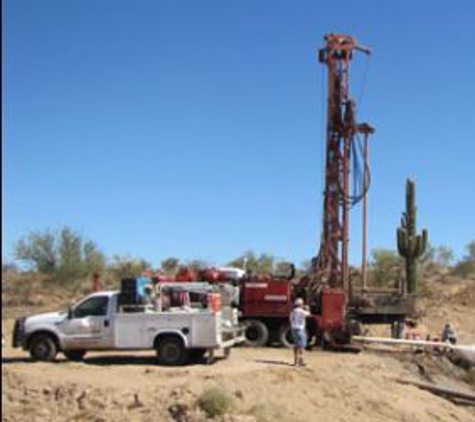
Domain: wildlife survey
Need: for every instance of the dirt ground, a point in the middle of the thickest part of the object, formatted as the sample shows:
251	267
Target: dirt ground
336	387
131	387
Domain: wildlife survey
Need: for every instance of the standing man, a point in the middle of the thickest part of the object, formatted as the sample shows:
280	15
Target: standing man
298	324
449	334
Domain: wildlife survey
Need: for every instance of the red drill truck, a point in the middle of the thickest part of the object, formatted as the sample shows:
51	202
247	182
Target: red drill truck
265	303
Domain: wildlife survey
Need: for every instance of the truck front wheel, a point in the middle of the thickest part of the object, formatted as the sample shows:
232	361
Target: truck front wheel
256	333
75	355
43	348
171	351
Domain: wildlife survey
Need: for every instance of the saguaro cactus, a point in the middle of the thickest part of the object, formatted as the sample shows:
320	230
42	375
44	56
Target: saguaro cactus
411	246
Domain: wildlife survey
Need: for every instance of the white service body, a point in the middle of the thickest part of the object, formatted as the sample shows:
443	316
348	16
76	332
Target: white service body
113	329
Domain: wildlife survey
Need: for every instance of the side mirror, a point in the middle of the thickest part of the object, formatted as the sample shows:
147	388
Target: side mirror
70	313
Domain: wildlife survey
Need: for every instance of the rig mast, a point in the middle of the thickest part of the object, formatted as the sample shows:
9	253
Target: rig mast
346	170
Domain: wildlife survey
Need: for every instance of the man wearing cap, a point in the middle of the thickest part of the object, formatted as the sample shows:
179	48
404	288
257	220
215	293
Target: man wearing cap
298	324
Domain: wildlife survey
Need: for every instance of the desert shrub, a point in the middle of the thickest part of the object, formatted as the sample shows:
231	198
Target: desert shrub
125	266
21	289
466	266
257	264
215	402
464	269
443	256
170	265
197	264
385	267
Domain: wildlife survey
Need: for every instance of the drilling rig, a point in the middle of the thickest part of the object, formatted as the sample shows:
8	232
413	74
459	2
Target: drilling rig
343	160
337	305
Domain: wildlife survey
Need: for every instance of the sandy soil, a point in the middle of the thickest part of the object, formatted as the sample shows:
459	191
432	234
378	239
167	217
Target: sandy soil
333	387
131	387
449	299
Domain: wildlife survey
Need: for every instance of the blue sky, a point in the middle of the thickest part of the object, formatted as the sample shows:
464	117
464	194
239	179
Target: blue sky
195	128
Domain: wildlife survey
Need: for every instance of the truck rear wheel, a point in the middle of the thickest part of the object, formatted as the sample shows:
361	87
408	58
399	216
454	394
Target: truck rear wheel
286	338
43	348
171	352
256	333
75	355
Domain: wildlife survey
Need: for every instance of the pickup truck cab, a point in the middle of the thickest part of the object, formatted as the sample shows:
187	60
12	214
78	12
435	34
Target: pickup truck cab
98	323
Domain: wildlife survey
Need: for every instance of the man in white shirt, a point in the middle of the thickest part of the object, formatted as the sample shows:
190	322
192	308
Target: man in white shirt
298	319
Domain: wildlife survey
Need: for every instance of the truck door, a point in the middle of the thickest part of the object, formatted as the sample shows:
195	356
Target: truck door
89	325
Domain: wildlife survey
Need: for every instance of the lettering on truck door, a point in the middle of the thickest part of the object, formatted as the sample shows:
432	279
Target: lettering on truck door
89	326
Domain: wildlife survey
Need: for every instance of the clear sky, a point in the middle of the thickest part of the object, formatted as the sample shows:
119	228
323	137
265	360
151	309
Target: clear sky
195	128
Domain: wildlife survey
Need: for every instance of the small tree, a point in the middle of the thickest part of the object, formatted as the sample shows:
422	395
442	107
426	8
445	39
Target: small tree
126	266
265	264
197	264
170	265
470	257
284	269
385	267
38	250
247	260
466	266
443	256
94	260
63	256
262	264
70	249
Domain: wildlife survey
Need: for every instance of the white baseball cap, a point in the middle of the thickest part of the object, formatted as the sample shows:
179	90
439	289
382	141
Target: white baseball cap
299	302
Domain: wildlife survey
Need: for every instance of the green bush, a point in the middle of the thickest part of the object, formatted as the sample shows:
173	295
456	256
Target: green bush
170	265
215	402
64	256
385	268
257	264
125	266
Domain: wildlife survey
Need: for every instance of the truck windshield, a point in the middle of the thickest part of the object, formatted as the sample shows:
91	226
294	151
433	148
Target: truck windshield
95	306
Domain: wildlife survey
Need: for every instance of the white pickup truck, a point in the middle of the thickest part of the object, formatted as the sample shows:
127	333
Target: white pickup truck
98	323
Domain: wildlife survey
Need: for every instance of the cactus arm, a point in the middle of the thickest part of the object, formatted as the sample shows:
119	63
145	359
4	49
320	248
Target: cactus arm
401	241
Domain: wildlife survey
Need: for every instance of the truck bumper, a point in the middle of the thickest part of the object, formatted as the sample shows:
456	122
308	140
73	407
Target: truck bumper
232	337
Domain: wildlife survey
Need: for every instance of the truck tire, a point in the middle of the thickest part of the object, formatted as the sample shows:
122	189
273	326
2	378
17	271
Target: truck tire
42	348
171	352
285	336
256	333
75	355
